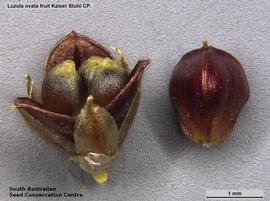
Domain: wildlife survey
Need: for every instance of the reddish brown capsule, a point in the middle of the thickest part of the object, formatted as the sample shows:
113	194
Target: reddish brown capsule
208	88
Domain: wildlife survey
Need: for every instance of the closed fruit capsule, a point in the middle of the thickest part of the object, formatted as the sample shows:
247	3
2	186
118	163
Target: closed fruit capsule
208	88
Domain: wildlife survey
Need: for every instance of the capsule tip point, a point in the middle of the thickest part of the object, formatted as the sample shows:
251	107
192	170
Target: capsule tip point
13	107
205	44
90	100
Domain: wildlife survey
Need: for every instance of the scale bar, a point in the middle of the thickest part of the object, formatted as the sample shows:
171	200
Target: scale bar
237	197
235	194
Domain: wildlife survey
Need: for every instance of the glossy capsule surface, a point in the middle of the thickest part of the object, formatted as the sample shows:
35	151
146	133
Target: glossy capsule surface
208	88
